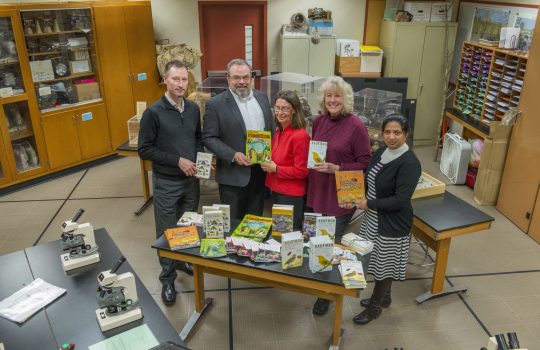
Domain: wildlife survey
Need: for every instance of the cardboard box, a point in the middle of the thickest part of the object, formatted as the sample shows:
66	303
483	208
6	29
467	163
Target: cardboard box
370	59
421	11
87	91
347	48
347	64
323	26
441	12
488	181
497	131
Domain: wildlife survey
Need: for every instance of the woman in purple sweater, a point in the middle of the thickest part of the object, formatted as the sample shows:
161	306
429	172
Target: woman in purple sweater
348	148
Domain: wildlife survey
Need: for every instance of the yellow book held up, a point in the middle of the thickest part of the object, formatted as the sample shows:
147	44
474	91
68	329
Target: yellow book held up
258	146
350	186
182	237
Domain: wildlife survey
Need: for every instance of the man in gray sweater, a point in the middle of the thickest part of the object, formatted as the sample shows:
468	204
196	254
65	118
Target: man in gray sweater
170	137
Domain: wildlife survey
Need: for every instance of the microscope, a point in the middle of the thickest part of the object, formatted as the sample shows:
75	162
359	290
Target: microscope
117	298
79	240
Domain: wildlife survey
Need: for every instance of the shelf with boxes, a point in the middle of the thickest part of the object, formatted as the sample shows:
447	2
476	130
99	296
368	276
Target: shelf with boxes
489	81
62	55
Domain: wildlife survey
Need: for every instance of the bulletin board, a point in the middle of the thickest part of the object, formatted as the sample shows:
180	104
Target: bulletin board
466	15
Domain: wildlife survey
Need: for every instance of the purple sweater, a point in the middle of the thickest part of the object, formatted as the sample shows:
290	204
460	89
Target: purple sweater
348	147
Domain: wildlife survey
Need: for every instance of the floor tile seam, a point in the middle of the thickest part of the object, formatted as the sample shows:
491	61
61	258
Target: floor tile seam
537	336
226	289
32	200
230	311
60	208
111	197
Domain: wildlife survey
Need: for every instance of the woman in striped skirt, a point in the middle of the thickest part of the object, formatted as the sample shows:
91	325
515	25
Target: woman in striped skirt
391	178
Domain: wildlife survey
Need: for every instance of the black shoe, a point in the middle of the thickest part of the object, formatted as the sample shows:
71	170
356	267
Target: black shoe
321	307
387	300
369	314
185	267
168	294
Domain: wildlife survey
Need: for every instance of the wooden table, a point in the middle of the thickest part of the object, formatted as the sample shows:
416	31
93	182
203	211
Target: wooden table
436	221
327	285
146	166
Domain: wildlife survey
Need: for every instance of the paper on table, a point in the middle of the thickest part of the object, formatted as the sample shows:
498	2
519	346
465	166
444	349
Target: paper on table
27	301
138	338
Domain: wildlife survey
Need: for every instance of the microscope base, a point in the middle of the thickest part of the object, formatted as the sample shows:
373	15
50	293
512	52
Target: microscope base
109	322
73	263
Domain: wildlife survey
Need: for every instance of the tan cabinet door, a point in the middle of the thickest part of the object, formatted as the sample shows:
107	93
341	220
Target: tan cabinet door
521	177
4	169
93	131
61	138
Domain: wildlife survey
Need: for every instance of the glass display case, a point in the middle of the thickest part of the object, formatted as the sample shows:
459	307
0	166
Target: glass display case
306	86
62	55
21	136
372	106
11	82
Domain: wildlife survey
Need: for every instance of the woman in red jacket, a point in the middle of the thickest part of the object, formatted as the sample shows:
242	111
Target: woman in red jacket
287	170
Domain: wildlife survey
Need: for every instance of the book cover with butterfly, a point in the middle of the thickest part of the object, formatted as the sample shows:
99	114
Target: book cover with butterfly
350	186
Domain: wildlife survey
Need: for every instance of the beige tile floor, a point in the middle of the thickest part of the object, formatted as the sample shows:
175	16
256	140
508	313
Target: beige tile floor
501	268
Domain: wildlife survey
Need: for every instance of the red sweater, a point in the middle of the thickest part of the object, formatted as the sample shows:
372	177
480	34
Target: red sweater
290	152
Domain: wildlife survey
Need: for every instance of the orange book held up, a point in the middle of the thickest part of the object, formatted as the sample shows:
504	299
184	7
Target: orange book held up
183	237
350	186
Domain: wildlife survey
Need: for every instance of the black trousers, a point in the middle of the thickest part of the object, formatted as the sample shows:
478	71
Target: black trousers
172	197
248	199
297	202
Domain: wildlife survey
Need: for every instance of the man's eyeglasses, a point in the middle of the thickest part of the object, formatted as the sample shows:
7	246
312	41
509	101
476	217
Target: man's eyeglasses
238	78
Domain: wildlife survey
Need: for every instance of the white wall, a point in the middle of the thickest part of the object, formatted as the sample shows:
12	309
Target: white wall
178	20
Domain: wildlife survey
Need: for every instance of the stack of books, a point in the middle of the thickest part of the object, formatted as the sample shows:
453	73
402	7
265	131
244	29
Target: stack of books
310	221
213	223
352	274
343	253
357	243
321	251
326	226
255	251
182	237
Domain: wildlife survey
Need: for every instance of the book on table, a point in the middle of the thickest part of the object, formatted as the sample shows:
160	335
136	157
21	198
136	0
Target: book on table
258	146
282	219
213	247
292	249
350	187
226	210
325	226
213	223
253	227
310	222
182	237
190	218
321	251
317	153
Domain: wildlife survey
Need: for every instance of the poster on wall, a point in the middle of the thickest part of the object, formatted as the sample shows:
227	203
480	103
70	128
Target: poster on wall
488	22
525	36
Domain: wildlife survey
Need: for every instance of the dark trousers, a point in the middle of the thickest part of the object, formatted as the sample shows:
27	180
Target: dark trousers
297	202
172	197
248	199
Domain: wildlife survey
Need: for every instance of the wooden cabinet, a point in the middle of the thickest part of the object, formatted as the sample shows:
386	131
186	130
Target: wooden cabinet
518	196
300	55
416	50
76	135
20	136
128	61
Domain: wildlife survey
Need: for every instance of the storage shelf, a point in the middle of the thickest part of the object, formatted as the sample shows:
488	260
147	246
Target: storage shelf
69	77
3	64
44	53
71	105
17	135
56	33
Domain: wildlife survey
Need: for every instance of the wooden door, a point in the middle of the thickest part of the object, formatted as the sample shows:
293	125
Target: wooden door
115	68
93	131
521	177
534	228
5	176
61	139
223	30
142	52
